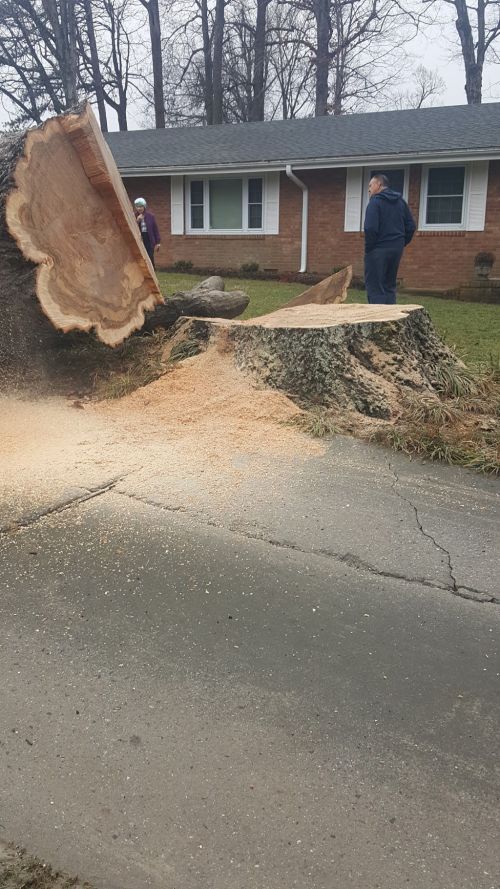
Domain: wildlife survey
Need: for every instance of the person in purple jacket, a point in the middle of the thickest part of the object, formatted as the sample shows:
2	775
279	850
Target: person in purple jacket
148	228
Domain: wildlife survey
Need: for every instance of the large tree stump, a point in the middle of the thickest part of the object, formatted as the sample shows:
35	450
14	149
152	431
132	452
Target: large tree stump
355	357
70	250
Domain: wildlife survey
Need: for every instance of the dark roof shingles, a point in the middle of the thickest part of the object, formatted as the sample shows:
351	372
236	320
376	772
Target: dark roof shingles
384	134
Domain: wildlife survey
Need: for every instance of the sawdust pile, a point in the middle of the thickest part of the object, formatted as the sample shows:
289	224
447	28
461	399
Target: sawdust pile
201	421
206	404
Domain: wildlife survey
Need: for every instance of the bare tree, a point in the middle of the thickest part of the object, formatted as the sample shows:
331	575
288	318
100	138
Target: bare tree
259	64
245	61
115	34
218	47
478	27
37	71
291	79
369	45
156	53
61	17
226	54
354	46
95	63
55	52
428	86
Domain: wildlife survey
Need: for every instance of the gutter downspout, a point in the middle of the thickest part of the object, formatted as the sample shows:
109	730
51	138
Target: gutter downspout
305	207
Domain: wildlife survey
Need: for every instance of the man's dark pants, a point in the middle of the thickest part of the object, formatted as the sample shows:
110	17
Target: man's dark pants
381	272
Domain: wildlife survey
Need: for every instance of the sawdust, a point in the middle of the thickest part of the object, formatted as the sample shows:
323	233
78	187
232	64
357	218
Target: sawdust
202	421
214	410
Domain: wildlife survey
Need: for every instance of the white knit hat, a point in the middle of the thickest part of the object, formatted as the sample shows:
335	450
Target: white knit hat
140	202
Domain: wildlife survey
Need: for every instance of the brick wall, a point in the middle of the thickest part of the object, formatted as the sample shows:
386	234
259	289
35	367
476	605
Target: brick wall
433	261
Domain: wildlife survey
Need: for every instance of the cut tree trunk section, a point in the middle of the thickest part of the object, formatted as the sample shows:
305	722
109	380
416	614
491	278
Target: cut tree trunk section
69	242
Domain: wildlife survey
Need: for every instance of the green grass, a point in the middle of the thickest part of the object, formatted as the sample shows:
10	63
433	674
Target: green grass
473	329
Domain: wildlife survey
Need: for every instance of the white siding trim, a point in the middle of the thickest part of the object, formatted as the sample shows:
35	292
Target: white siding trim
177	205
353	196
478	190
271	209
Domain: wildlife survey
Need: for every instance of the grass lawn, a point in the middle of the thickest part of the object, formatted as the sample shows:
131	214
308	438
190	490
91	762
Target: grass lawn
472	328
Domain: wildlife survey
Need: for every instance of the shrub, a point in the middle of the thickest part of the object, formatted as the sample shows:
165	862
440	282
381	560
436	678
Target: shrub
249	268
182	265
484	258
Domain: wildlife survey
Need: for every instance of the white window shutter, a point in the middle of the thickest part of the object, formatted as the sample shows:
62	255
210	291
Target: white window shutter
353	196
177	205
478	189
272	204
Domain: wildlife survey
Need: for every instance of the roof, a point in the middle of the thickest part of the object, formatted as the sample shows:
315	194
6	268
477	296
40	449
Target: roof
472	130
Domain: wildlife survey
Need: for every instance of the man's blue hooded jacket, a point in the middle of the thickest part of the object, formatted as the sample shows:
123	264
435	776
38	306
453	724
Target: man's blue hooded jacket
388	221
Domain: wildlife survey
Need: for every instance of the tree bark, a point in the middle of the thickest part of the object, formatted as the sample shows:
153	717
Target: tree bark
156	54
201	304
354	358
63	23
473	70
258	86
218	42
96	70
208	88
322	17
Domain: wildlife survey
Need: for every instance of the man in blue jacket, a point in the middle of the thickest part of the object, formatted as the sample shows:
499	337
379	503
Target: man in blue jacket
389	227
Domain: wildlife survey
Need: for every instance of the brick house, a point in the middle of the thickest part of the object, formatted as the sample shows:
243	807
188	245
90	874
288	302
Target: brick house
290	195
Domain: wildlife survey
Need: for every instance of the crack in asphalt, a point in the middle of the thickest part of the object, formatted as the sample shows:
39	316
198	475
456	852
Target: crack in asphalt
349	559
61	506
458	590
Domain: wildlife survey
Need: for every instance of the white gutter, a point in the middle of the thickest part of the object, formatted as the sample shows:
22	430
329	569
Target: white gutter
305	207
308	164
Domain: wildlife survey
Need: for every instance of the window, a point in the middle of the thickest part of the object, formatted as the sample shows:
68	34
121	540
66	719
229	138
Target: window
255	203
226	203
444	198
395	176
221	205
197	204
398	180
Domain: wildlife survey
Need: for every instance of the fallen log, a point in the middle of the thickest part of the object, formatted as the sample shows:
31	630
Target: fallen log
71	253
201	302
355	357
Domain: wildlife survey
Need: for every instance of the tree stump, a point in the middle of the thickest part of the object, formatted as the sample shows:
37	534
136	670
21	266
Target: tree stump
355	357
71	253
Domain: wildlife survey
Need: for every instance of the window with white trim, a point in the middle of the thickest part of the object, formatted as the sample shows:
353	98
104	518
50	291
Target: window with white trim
443	197
225	205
